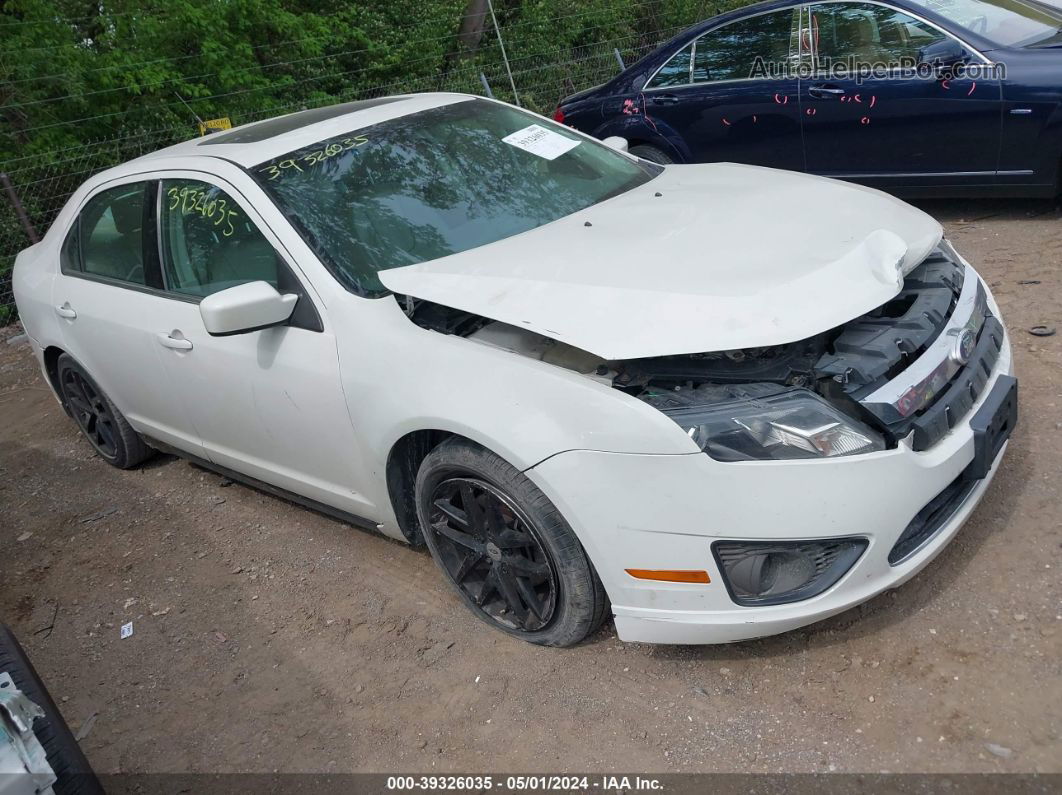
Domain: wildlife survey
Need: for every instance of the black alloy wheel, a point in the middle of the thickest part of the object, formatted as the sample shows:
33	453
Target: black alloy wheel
92	413
489	549
109	433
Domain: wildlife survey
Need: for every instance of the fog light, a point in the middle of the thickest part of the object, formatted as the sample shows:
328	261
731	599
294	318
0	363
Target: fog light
778	572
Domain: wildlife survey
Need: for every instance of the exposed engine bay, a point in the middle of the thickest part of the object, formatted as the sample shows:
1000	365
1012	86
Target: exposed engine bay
841	365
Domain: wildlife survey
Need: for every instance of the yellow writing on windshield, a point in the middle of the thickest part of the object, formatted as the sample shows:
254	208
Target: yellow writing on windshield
313	158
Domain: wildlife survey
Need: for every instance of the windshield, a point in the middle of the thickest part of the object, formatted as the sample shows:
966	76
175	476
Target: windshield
1012	23
439	182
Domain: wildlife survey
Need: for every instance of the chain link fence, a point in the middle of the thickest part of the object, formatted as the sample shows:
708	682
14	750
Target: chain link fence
41	184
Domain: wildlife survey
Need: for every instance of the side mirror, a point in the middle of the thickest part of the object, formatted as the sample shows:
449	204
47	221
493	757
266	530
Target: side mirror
245	307
942	55
616	142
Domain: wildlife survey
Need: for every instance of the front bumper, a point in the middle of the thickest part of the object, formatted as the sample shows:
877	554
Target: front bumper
663	512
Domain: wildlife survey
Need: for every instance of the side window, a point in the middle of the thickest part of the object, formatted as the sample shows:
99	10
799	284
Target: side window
111	233
209	243
731	52
867	33
675	72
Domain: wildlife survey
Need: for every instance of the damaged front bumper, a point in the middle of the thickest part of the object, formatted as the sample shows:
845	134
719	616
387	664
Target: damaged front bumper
664	512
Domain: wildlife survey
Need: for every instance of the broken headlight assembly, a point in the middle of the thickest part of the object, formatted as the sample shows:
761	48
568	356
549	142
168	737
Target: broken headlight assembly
759	573
795	423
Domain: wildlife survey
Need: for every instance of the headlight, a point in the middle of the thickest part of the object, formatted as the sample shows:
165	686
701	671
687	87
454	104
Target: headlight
778	572
794	423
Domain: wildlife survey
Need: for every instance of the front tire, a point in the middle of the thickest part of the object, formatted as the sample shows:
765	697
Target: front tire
505	548
652	154
109	433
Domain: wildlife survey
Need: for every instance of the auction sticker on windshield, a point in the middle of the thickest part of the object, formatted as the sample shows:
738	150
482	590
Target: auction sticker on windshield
539	141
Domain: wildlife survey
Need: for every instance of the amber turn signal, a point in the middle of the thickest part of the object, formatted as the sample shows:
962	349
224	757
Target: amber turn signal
667	575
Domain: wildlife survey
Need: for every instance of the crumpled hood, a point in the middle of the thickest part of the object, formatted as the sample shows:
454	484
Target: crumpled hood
701	258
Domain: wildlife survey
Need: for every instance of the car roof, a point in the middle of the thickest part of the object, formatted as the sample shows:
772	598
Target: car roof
254	143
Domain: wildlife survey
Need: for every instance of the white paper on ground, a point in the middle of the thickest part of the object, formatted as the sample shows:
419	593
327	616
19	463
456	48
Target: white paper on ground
537	140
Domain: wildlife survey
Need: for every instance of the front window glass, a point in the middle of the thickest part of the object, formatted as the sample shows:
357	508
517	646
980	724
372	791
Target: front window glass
868	33
208	242
439	182
112	234
1011	23
731	52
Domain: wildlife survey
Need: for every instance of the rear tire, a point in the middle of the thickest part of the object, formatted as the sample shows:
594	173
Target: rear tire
109	433
73	772
505	548
652	154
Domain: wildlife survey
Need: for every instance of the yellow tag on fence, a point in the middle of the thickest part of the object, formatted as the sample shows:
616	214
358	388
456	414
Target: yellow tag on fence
214	125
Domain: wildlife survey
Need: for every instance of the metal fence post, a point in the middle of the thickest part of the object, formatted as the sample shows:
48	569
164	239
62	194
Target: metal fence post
619	58
501	44
486	85
20	211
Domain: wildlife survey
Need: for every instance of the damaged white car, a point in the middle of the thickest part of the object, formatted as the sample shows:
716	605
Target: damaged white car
714	401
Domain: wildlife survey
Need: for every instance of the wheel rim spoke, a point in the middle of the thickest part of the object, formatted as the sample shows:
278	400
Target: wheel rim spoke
473	510
507	588
491	551
525	567
466	566
513	539
464	539
527	593
489	586
453	513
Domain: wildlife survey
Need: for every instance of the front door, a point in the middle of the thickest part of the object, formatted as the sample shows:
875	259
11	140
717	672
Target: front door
895	129
267	403
728	97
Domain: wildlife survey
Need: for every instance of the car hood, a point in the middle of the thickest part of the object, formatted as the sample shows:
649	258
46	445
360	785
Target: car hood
701	258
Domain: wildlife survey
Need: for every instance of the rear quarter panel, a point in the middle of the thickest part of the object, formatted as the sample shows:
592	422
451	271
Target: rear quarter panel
31	282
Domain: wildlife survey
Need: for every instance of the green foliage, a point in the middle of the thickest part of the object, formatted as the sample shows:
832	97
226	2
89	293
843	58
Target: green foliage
73	71
85	84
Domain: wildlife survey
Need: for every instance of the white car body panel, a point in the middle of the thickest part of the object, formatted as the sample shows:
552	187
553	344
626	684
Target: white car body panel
728	257
670	267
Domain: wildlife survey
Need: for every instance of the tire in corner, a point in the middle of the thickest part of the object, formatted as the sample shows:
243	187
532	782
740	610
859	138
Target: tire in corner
505	548
73	772
652	154
99	420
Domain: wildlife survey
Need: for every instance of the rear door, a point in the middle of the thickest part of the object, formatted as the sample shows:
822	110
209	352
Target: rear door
892	129
109	298
732	95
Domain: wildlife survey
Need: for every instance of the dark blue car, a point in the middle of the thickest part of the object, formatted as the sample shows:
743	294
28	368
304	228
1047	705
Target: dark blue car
929	97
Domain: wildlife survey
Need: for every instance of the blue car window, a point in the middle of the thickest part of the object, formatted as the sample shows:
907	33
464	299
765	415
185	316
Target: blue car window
731	52
867	33
675	72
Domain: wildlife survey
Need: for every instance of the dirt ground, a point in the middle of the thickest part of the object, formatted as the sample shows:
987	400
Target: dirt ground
267	637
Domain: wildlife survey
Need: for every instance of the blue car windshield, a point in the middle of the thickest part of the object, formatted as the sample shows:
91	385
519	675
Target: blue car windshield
439	182
1011	23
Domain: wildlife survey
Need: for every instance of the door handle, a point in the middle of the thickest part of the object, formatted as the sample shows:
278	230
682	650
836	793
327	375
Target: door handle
176	343
821	92
65	311
665	99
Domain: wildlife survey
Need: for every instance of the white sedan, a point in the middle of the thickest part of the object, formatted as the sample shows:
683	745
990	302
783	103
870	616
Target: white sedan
714	401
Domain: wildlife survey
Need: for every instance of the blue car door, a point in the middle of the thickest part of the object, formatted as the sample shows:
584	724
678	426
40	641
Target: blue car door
893	128
712	103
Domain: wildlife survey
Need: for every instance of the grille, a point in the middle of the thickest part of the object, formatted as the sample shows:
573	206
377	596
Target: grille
955	402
